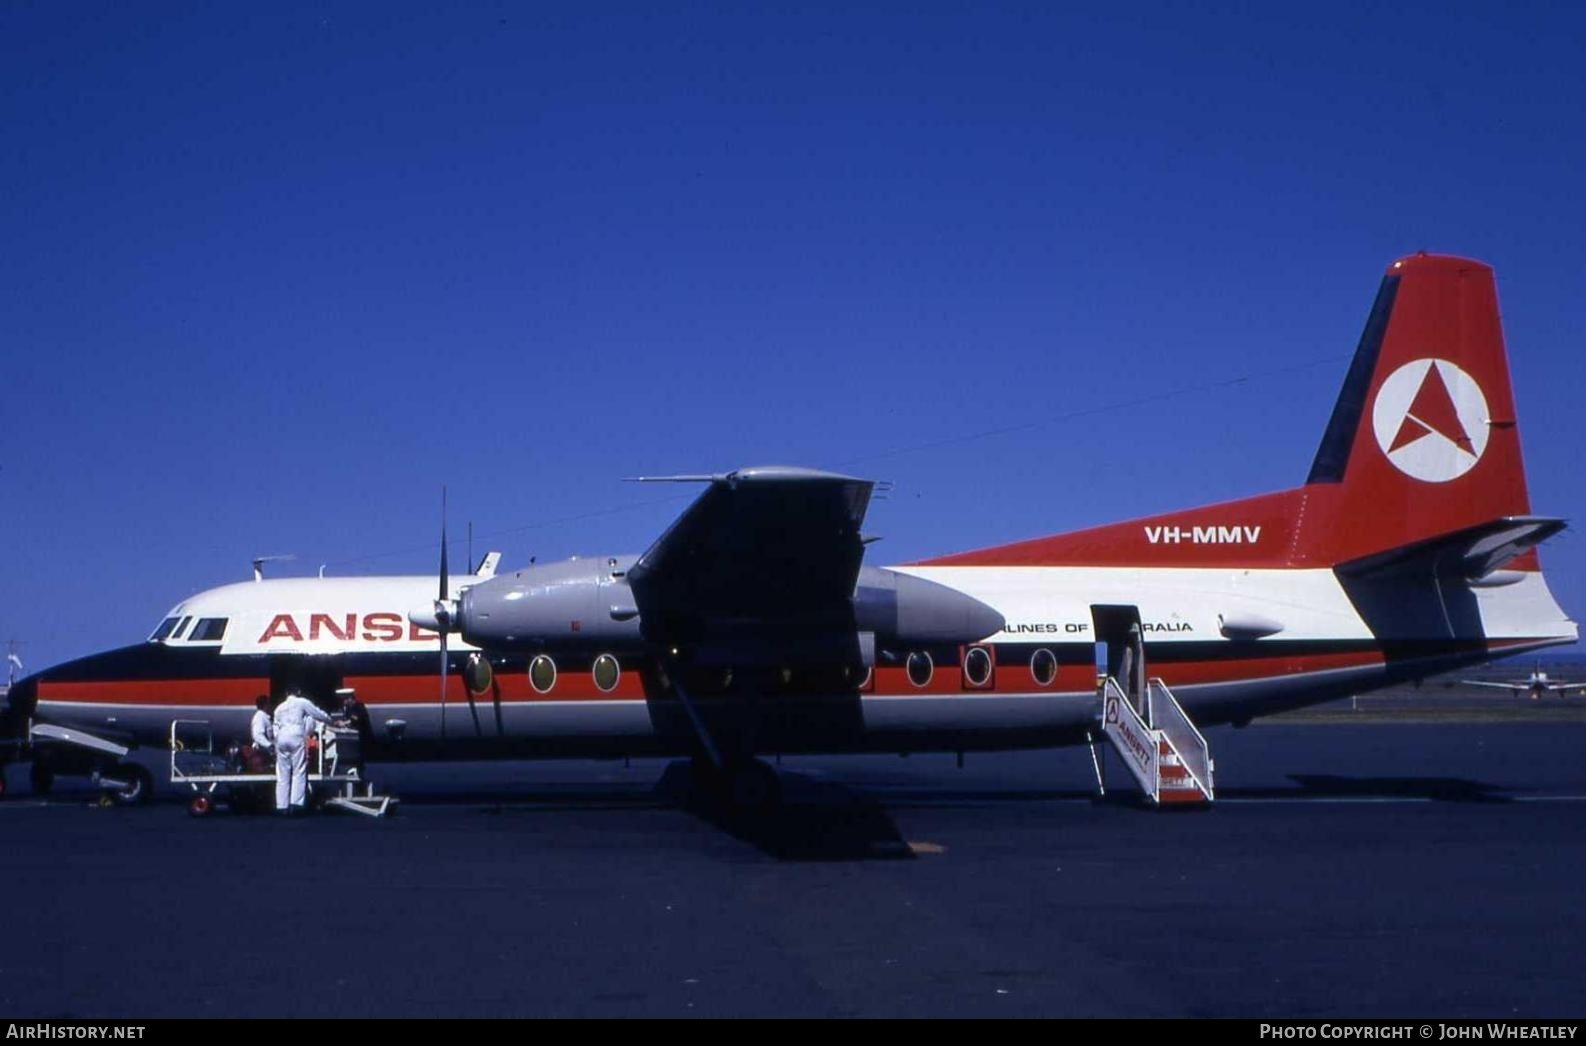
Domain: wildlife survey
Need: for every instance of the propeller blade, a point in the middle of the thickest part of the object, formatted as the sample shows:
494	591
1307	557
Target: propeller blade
473	710
443	594
440	604
495	698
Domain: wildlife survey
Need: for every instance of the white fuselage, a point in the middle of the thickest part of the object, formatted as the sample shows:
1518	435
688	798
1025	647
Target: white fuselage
1316	645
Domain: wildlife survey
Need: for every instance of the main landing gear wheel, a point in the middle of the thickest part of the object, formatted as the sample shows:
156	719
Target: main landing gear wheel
139	784
42	778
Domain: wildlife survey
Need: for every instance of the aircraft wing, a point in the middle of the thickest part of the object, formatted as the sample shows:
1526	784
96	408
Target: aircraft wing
1513	688
760	551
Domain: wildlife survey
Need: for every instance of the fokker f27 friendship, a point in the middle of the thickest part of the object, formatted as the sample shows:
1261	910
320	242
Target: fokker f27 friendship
752	625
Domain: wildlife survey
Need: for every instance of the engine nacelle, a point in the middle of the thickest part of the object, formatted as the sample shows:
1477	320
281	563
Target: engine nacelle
587	603
906	610
576	603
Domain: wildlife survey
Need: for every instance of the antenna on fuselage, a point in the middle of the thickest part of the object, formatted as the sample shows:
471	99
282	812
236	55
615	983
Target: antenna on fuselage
260	561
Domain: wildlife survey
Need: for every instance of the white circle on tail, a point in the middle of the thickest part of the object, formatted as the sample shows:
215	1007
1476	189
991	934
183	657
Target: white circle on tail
1430	420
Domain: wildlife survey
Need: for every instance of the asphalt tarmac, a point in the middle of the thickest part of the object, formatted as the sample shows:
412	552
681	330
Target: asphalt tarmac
1347	870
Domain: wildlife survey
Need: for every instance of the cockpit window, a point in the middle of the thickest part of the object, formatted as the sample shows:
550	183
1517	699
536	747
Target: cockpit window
164	630
181	626
208	630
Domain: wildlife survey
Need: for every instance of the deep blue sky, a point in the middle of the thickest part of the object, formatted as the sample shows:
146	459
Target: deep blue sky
269	276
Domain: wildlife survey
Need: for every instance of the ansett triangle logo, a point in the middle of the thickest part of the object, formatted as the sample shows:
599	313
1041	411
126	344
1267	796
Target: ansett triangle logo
1430	420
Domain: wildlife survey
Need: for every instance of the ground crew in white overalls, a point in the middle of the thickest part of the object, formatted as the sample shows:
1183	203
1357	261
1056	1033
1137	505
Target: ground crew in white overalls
262	731
291	757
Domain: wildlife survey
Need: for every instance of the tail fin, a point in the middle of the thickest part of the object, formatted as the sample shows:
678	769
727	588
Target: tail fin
1422	441
1421	450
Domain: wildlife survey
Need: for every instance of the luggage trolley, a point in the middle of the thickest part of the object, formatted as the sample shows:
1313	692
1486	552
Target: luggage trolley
334	768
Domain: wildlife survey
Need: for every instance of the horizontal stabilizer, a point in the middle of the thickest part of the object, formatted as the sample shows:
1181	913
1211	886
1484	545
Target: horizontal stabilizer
1470	554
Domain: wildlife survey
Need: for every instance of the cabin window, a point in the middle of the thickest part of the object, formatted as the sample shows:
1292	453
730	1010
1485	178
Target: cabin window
920	667
542	674
977	666
1043	667
208	630
477	674
164	630
607	672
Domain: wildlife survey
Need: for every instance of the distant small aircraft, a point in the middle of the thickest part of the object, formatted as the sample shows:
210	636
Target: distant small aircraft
1536	684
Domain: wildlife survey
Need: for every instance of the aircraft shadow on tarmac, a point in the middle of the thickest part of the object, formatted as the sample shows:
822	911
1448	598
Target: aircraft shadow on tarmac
822	820
816	820
819	819
1334	786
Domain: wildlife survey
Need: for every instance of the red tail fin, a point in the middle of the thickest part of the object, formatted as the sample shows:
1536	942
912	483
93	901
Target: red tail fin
1422	443
1422	440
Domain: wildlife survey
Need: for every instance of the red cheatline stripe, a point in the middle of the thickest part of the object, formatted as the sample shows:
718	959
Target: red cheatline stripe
515	689
580	686
894	682
378	690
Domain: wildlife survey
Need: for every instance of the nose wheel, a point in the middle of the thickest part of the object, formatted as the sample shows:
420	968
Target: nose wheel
130	784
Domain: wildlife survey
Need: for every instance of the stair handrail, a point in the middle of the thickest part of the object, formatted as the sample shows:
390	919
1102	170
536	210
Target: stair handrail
1115	710
1181	733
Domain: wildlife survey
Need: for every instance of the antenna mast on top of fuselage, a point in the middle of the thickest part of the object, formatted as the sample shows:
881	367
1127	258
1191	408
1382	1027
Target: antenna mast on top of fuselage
260	561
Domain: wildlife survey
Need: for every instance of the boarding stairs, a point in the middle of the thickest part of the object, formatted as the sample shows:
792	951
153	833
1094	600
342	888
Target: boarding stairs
1166	755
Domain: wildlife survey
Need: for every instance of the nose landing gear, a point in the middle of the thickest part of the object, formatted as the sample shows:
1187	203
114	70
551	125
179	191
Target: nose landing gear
126	783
